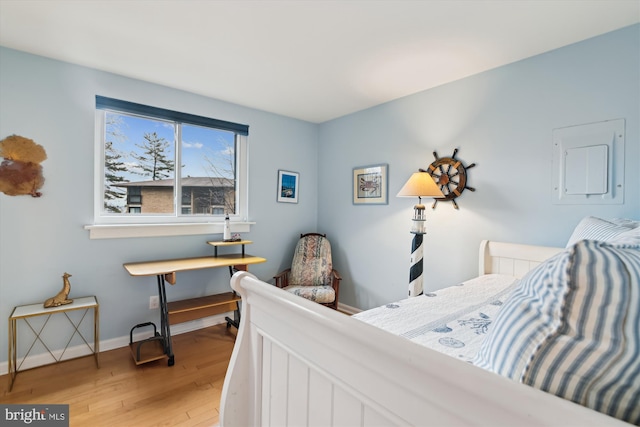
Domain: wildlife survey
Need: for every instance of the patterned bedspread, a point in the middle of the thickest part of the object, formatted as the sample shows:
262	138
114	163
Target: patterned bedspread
452	320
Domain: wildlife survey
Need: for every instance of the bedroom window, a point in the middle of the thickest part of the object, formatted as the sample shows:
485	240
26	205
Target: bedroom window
158	166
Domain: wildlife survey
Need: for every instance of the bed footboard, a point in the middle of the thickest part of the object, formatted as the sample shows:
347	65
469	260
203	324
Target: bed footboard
297	363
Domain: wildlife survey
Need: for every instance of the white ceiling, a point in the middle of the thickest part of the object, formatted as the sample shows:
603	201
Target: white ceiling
312	60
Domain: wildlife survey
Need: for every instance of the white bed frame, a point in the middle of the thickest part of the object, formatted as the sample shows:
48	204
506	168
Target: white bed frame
297	363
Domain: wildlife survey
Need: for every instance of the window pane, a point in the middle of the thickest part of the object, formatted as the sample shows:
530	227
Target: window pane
139	165
158	166
208	171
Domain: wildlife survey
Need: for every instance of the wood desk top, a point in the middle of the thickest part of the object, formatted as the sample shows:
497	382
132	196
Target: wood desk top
168	266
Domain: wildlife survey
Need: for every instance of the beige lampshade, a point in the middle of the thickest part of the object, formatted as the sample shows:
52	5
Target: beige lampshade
420	185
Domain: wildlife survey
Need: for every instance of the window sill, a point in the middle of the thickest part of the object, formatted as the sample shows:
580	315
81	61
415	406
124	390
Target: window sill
119	231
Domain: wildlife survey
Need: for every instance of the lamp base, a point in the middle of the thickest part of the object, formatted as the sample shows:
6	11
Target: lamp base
415	272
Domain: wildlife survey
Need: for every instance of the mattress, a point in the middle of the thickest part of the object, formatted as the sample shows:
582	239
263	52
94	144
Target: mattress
452	320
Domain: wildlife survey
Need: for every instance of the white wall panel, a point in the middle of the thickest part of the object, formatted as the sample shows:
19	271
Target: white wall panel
298	410
347	410
320	400
279	387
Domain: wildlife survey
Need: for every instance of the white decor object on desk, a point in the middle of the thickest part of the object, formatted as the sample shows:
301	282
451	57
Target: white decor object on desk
227	229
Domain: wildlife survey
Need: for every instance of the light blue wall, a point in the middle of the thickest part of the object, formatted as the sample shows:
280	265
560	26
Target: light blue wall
53	103
502	120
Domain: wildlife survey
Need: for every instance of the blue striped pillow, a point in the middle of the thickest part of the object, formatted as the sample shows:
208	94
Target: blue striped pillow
527	318
594	357
572	328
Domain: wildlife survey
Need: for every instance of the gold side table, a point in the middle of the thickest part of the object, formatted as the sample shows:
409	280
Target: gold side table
25	312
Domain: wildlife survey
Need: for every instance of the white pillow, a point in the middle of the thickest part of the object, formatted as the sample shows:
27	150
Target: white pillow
626	222
592	228
630	237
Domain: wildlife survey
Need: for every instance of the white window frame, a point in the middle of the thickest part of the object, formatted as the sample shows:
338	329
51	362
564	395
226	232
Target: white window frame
139	225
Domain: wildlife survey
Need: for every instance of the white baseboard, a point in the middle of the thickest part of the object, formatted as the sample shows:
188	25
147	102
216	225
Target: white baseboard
348	309
42	359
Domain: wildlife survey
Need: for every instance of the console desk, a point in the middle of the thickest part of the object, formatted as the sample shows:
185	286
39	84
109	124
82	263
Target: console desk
190	309
26	312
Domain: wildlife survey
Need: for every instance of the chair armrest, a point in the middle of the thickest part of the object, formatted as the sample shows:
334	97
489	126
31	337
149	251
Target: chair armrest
335	283
282	278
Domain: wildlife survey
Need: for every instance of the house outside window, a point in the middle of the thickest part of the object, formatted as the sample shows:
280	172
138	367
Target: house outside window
204	196
162	166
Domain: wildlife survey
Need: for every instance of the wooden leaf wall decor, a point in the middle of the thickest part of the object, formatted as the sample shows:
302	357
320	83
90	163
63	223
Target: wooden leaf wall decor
20	171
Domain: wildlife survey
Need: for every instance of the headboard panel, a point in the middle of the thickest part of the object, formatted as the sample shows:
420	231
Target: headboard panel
510	258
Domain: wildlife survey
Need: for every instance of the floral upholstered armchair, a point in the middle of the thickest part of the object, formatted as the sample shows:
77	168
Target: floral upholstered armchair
311	275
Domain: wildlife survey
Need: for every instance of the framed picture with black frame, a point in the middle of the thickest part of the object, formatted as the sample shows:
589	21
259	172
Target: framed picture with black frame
370	185
288	186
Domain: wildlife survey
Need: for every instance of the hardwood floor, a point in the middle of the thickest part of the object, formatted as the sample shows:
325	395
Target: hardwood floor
121	394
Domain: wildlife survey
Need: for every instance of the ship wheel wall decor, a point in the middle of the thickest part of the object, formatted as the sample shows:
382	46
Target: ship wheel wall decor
451	176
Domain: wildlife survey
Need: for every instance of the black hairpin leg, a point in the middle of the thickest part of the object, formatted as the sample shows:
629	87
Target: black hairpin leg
236	313
164	320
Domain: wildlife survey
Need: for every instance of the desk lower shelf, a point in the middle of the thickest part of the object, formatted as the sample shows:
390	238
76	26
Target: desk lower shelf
197	308
153	348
